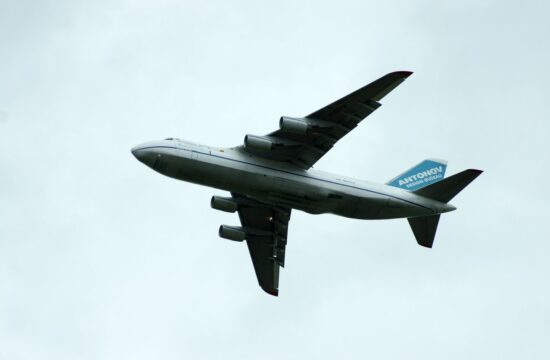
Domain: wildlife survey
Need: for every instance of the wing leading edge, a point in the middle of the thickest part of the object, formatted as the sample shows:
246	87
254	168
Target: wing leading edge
267	228
317	133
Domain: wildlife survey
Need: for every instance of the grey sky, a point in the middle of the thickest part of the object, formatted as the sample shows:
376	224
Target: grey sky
101	258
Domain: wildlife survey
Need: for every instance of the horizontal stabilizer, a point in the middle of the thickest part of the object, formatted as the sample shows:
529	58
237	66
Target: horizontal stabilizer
446	189
427	172
424	229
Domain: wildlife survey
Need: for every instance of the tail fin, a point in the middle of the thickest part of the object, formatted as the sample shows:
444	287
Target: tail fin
425	227
447	189
427	172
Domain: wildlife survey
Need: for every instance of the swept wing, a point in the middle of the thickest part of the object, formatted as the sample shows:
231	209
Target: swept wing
267	228
303	141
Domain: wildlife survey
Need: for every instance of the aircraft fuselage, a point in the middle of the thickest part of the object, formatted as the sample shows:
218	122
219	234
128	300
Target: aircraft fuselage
281	184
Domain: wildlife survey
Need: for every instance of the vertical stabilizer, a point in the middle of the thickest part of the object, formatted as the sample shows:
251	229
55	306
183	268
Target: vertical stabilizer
427	172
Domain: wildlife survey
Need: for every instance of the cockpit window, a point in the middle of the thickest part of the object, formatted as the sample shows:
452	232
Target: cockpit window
171	138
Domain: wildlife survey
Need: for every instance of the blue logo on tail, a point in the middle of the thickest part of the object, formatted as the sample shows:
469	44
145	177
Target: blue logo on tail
427	172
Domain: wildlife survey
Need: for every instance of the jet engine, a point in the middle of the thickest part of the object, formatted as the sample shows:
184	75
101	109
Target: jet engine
293	125
235	233
223	204
258	143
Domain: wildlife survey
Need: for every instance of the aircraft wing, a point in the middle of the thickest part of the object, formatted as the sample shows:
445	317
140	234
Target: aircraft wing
267	227
303	141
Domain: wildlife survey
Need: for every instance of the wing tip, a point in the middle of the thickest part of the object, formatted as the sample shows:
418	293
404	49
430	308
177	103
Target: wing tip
273	292
403	73
399	75
475	172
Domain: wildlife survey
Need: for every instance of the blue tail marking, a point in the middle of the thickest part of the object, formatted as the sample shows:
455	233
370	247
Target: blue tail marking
427	172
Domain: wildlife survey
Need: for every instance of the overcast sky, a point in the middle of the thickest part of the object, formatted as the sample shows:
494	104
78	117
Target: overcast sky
102	258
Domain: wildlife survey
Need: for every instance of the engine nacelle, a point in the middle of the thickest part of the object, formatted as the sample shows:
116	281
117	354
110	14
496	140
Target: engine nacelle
223	204
258	143
235	233
293	125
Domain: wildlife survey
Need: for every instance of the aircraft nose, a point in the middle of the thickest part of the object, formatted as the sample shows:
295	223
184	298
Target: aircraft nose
144	155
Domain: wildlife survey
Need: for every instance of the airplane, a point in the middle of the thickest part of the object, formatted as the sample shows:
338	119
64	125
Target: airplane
269	176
